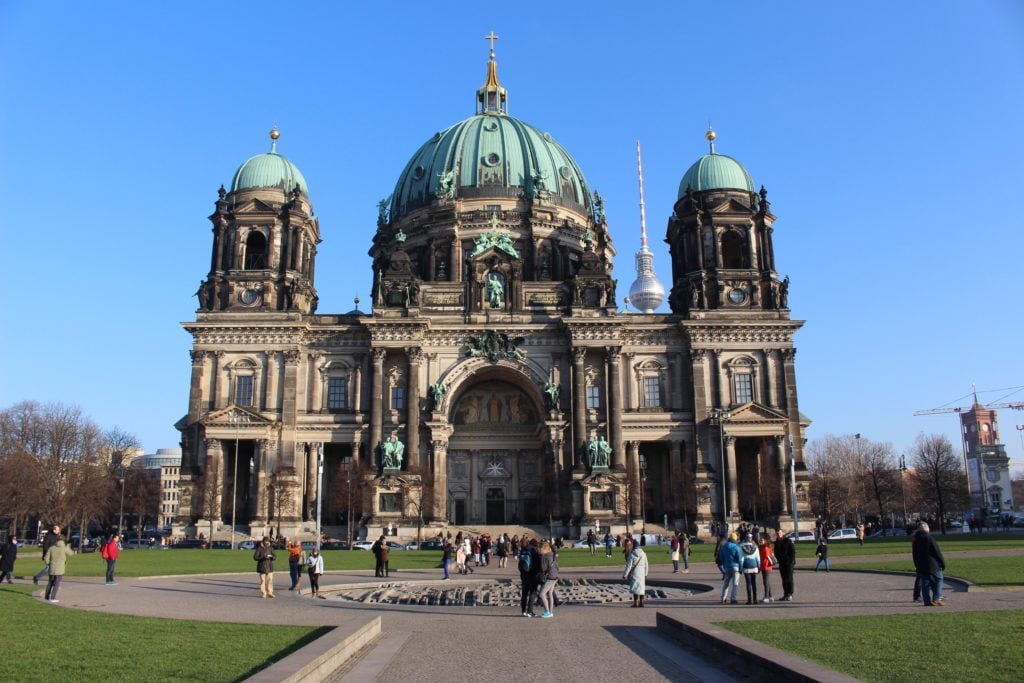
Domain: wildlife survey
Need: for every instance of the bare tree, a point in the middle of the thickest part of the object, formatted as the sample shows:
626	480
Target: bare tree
831	462
938	475
881	476
121	445
207	495
20	489
93	493
141	496
420	506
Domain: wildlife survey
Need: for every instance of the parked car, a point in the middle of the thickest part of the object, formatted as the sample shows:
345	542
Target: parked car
362	545
308	546
843	535
881	533
246	545
426	545
334	545
802	536
189	543
132	543
221	545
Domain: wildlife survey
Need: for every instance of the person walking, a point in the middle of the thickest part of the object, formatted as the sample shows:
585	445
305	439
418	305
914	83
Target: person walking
592	542
720	542
673	552
264	557
929	565
785	554
56	559
548	578
48	542
529	571
315	568
684	550
730	558
635	572
860	533
8	554
446	559
768	562
378	568
822	553
750	567
109	552
294	562
385	551
609	543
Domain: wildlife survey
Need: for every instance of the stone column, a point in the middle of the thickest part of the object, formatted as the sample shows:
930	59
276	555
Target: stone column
771	391
677	382
633	453
440	502
412	427
730	472
377	403
630	402
310	483
615	404
724	394
579	407
791	405
213	504
780	464
195	392
357	384
677	480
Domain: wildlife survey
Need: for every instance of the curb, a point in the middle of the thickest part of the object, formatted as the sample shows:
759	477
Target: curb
964	584
321	658
751	658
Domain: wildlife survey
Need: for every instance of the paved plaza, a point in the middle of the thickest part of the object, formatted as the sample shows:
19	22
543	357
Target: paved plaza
596	635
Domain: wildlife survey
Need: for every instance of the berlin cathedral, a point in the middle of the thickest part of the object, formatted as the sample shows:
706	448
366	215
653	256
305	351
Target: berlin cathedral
496	380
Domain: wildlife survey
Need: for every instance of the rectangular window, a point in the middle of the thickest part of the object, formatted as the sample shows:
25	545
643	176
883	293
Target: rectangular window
337	393
652	392
593	397
742	388
243	390
397	398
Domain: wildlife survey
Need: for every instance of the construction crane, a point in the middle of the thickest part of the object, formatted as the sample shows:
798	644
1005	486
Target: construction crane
961	409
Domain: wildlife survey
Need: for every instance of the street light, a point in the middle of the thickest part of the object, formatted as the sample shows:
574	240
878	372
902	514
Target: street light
643	485
347	466
120	519
719	416
903	486
234	481
319	489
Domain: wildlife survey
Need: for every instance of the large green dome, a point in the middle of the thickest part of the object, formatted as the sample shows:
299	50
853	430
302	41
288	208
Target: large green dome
270	170
490	155
716	172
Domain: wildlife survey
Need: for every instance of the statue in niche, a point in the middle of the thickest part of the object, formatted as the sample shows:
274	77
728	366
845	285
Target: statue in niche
442	270
495	291
494	409
437	392
204	295
599	451
393	451
382	210
784	293
598	208
552	391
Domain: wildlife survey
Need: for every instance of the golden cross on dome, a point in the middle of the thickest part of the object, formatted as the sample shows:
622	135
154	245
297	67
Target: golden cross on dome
491	37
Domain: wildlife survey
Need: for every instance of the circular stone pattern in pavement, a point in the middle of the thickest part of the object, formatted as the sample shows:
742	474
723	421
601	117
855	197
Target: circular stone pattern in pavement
500	593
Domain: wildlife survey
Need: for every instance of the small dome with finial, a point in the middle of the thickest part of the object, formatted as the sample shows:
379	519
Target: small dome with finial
270	170
715	171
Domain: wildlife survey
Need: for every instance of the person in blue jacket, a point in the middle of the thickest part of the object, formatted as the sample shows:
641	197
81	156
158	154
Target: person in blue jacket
731	558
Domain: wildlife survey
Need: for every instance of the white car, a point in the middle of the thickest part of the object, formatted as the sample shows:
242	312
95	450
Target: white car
803	536
843	535
362	545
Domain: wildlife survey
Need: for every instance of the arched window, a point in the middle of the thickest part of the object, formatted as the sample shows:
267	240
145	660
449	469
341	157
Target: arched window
734	253
255	251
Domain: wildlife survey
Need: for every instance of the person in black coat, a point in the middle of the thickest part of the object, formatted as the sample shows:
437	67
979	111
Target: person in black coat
8	554
929	564
785	552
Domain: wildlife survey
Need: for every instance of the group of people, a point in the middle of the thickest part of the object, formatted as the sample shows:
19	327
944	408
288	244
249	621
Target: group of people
538	574
298	560
749	556
56	554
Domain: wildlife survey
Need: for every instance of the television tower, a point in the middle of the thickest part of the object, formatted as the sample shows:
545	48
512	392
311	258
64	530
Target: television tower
646	293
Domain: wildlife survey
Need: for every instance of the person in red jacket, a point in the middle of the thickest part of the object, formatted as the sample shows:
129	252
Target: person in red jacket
767	564
109	552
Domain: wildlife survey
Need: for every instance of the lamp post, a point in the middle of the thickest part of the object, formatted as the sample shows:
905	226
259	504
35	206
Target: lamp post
347	466
903	486
120	518
791	461
643	500
1020	432
319	488
860	513
719	416
234	481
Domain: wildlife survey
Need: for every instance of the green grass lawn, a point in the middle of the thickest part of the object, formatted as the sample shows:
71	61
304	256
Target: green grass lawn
958	646
983	571
890	545
44	642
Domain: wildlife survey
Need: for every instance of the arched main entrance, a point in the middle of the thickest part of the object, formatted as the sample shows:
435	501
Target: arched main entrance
496	455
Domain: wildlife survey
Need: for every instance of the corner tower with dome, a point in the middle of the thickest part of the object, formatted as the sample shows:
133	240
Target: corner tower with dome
495	383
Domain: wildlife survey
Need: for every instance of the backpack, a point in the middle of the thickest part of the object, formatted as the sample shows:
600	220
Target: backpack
104	552
525	561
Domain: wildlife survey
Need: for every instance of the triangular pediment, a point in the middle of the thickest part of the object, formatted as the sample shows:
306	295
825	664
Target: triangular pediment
730	205
234	417
254	206
755	413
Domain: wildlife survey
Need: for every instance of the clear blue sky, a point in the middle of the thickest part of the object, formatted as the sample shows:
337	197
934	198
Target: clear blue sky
887	134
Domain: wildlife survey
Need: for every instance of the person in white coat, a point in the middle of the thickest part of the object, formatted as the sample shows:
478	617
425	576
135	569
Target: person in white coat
315	567
636	572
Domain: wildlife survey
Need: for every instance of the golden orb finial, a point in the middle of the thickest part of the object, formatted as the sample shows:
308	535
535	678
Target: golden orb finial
710	137
274	133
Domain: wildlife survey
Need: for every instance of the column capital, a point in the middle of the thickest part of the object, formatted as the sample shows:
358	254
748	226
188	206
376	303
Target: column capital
579	354
614	353
698	355
379	355
415	355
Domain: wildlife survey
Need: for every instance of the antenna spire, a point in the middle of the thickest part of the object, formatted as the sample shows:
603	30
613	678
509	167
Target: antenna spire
646	293
640	180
